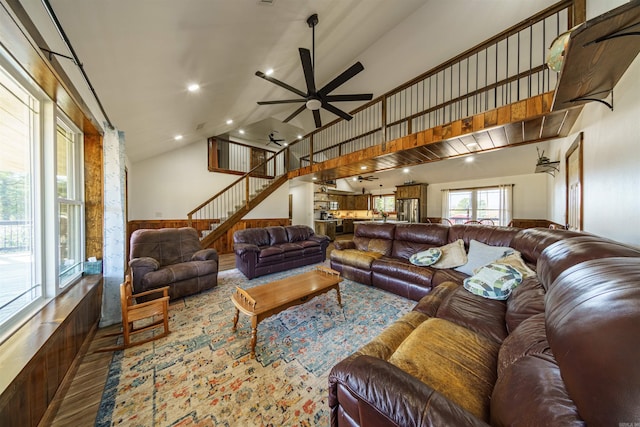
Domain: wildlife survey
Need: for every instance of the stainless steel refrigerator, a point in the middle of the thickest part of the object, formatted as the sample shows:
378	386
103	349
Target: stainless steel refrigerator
408	210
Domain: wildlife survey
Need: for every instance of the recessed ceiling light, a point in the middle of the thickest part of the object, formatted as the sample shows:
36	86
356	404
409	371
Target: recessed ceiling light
469	159
363	167
299	136
177	137
269	71
285	144
229	121
405	170
354	179
241	131
314	178
193	87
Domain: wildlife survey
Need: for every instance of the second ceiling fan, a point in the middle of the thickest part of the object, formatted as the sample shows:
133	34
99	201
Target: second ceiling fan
315	99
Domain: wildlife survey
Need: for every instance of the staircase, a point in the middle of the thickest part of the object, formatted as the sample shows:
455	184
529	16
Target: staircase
230	205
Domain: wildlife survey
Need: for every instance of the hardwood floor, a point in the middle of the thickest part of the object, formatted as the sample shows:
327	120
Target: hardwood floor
78	399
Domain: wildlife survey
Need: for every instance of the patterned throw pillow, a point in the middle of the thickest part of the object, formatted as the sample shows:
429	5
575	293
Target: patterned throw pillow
514	260
426	258
493	281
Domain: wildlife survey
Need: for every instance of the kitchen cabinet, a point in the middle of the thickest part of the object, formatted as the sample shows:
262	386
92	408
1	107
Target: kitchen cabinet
361	202
347	226
328	228
348	203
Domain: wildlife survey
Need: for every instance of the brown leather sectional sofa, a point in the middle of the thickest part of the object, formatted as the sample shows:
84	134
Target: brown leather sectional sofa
261	251
563	349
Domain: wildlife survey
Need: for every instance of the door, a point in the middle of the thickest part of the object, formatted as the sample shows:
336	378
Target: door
573	161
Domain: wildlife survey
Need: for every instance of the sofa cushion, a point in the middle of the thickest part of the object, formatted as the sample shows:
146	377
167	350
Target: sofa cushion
532	392
487	234
493	281
277	235
297	233
412	238
403	270
177	272
481	315
530	338
354	257
290	250
480	255
256	236
453	360
270	251
525	301
453	255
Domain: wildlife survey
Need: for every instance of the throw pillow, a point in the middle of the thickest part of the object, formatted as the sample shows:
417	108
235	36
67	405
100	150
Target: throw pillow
453	255
426	258
493	281
481	254
515	260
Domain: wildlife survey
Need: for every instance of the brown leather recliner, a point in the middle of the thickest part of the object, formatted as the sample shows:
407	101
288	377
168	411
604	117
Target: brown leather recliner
172	257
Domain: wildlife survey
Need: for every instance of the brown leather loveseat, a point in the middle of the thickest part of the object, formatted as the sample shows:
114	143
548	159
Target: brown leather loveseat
562	350
171	257
261	251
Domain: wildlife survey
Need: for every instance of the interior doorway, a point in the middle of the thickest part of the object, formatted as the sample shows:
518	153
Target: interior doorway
573	162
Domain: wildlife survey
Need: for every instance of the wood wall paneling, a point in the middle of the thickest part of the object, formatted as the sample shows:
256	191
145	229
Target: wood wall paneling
38	356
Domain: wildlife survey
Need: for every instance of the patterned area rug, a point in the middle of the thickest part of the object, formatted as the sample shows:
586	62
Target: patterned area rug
202	374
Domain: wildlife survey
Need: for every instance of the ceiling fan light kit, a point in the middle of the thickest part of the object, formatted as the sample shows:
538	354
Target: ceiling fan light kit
315	99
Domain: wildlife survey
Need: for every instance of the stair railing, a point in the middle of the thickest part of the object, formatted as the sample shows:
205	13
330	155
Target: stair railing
238	195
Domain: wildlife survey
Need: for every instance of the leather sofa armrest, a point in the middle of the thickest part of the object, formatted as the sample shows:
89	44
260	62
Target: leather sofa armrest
344	244
245	248
371	388
320	238
140	267
144	263
205	255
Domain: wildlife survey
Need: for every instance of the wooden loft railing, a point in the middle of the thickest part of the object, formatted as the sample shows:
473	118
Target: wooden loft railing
488	79
499	93
504	70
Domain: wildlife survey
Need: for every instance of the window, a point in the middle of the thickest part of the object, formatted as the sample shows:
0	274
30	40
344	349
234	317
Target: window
70	206
491	205
39	212
20	275
384	203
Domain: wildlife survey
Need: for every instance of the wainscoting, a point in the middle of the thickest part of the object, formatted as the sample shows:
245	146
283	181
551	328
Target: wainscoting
36	359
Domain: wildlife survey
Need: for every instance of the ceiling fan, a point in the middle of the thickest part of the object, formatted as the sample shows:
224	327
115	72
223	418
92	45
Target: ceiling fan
274	140
315	99
366	178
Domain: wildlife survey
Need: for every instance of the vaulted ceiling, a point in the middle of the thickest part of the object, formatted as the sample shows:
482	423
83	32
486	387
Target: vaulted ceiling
141	55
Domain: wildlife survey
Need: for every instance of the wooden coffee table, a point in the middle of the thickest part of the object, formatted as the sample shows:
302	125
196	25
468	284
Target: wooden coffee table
266	300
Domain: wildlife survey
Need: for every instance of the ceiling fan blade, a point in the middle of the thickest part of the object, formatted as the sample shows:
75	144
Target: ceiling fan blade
338	112
281	84
295	113
307	67
281	101
355	97
316	118
341	79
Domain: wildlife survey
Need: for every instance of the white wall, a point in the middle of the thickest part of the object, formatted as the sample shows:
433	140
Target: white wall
529	194
170	185
611	165
274	206
302	204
